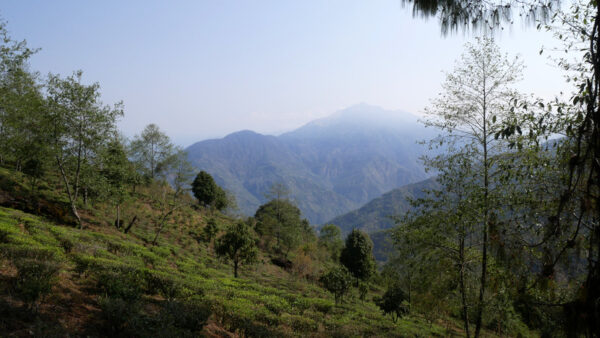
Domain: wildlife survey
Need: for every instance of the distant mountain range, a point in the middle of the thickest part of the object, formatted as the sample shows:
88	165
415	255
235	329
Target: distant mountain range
331	165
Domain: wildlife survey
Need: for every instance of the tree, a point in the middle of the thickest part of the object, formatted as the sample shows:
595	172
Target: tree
238	245
394	302
20	97
79	127
208	193
330	236
279	219
338	281
357	255
469	113
182	172
117	170
152	150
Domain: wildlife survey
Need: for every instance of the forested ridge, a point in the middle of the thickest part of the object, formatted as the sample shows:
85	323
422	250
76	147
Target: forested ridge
101	235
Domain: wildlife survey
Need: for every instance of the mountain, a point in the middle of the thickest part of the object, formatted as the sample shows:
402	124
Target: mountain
331	165
376	217
378	214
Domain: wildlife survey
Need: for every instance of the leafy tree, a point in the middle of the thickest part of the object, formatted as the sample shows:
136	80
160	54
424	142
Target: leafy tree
117	170
330	236
79	127
280	220
338	281
182	172
238	245
20	98
469	113
394	302
152	150
208	192
357	255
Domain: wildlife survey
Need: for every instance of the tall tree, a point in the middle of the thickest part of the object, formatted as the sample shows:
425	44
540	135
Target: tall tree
441	228
207	192
330	236
117	171
152	150
469	113
280	219
357	255
80	125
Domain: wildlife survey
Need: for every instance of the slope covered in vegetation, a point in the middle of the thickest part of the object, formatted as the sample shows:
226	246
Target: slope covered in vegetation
100	281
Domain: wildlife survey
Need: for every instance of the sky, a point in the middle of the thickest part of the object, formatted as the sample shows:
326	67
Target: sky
204	69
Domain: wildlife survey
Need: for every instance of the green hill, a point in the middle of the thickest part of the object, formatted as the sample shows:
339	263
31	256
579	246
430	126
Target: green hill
107	283
377	214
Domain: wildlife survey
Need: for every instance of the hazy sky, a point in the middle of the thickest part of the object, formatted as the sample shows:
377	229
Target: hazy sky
203	69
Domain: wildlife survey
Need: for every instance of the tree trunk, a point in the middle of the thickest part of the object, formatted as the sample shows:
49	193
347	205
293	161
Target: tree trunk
235	268
72	201
118	222
463	292
130	224
485	216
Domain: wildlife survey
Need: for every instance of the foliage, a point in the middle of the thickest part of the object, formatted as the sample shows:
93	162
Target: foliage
394	302
210	230
35	278
279	220
357	255
486	16
330	236
238	245
152	151
207	192
338	281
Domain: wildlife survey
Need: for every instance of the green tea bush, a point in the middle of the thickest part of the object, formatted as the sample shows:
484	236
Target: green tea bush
275	304
300	323
301	305
322	305
35	278
164	285
119	317
4	236
66	244
126	283
185	316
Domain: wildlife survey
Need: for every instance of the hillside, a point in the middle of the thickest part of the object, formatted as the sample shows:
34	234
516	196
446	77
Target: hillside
109	283
377	214
331	165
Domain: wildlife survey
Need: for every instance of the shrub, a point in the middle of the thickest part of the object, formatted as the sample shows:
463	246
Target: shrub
337	281
275	304
118	316
66	244
301	305
127	284
393	302
190	315
4	236
35	278
164	285
322	305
